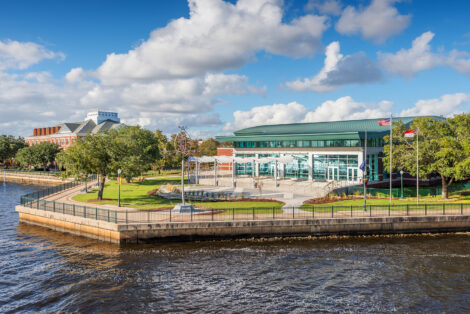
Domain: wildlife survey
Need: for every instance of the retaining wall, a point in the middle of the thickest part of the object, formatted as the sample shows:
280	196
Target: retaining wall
187	231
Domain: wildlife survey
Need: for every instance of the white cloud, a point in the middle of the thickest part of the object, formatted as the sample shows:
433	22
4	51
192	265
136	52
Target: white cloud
274	114
217	36
75	75
21	55
344	108
459	61
407	62
379	21
445	105
327	7
339	70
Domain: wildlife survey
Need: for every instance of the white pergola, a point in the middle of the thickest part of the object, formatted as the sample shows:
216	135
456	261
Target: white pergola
238	160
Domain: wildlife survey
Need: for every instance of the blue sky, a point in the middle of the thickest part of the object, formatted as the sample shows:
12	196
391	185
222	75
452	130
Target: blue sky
219	66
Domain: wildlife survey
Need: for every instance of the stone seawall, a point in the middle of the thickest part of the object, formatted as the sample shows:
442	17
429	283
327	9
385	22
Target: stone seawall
29	179
188	231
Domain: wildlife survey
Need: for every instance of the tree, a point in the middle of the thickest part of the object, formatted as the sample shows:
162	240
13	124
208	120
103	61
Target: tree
134	150
208	147
131	149
9	146
444	148
38	155
90	154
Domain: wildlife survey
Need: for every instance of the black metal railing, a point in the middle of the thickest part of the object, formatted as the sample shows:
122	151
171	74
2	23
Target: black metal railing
30	173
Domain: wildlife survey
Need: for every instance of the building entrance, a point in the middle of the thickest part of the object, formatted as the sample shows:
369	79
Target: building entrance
333	173
352	174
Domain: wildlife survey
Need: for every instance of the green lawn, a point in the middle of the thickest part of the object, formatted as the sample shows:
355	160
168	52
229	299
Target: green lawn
462	197
135	195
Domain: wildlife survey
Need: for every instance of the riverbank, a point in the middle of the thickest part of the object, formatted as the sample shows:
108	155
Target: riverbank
30	178
55	209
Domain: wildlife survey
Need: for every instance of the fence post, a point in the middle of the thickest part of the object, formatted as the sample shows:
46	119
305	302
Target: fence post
212	213
370	210
253	213
332	213
313	211
407	209
443	209
53	206
108	215
63	207
461	209
425	209
73	208
127	220
96	213
84	211
389	205
351	210
233	213
170	214
273	212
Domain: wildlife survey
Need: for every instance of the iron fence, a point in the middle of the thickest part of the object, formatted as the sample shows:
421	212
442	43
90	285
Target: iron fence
31	173
132	216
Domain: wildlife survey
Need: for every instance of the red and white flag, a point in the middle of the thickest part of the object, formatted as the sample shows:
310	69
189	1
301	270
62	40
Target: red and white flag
410	133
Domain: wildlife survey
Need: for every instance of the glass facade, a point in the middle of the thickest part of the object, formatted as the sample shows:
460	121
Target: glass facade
268	168
297	168
334	167
375	142
244	169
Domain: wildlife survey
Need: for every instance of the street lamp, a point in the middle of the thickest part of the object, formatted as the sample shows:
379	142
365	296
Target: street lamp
401	176
119	187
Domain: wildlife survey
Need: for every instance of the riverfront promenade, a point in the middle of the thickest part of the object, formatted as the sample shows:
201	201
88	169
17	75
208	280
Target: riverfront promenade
126	225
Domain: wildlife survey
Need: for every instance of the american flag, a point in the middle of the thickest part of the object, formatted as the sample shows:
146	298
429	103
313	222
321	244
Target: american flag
384	122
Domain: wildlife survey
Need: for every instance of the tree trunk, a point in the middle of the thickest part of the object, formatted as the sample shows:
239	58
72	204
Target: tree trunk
445	186
101	187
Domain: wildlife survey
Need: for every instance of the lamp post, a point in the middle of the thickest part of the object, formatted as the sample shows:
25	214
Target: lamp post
119	187
401	177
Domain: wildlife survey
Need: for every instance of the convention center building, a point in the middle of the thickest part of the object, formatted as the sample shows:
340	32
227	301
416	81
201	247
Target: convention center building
321	151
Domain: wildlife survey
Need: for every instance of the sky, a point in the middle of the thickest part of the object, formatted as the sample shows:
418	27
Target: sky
217	66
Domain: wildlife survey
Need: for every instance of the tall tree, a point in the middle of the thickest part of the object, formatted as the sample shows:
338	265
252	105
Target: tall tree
444	148
90	154
131	149
9	146
134	150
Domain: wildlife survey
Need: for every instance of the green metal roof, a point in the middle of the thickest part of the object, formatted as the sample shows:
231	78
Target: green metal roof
350	129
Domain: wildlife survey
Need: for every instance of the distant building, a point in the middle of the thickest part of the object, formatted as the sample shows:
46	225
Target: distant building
67	133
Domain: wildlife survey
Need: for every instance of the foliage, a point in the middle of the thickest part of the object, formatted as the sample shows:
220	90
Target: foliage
444	149
39	155
9	146
131	149
208	148
134	150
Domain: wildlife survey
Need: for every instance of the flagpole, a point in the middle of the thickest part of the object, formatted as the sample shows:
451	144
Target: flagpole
365	171
417	165
391	154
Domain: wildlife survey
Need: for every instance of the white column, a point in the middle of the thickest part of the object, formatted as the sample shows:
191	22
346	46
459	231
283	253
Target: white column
275	174
310	166
233	173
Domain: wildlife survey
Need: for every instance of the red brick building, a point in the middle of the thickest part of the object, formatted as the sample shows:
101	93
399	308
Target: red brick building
66	133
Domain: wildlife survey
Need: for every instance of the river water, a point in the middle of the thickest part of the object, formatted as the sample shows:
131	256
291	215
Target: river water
42	270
